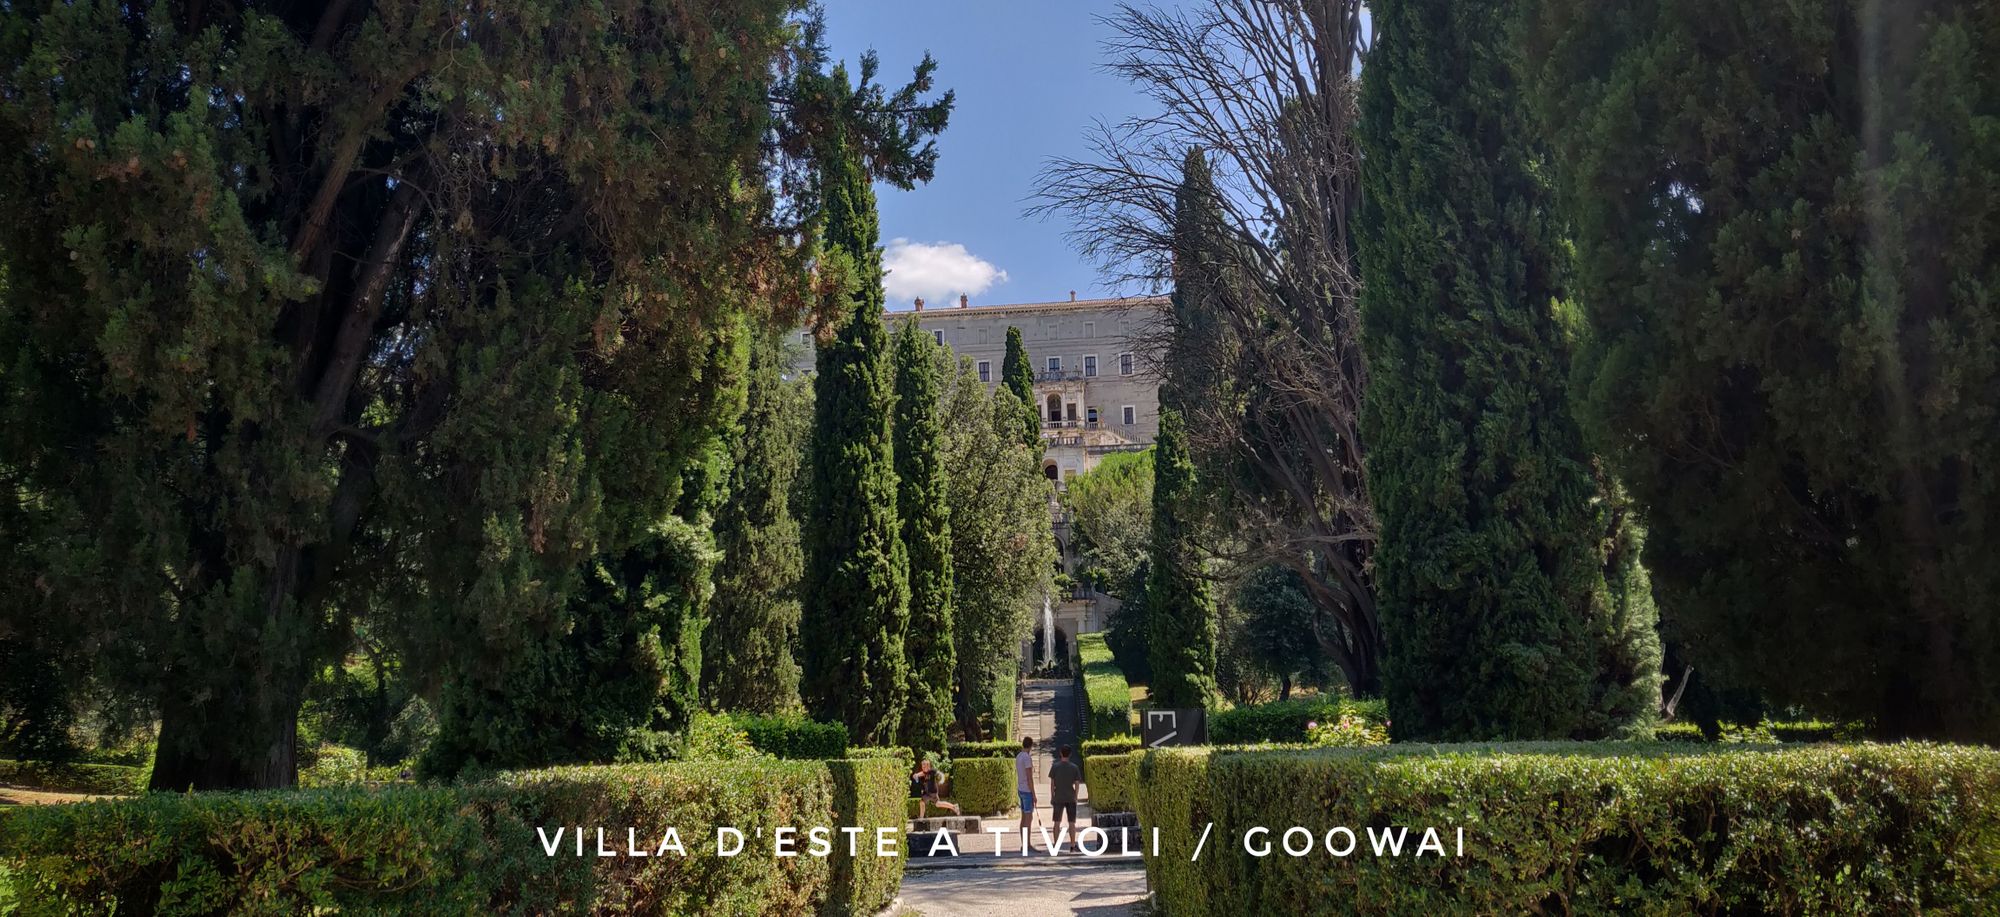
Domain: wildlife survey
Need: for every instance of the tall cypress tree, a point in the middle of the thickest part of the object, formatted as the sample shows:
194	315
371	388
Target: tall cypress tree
926	509
754	617
1019	378
856	594
1180	644
1490	572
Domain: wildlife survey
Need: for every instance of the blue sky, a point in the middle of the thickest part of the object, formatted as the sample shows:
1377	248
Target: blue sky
1028	86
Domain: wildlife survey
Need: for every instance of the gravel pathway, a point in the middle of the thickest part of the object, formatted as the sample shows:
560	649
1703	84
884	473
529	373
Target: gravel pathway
1024	891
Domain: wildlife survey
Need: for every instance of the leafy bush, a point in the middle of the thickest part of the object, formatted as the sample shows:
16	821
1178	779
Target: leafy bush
101	779
1584	828
1116	745
1104	688
1806	731
1000	749
793	736
1109	779
982	786
1285	720
1350	731
873	753
466	849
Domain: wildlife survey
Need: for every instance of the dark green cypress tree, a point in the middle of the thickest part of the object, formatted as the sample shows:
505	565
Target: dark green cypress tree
1180	632
926	509
856	595
1787	227
754	617
1489	565
1019	378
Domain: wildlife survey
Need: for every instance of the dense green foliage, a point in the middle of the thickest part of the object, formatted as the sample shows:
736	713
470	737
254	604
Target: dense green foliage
994	748
1490	583
1180	611
753	619
1110	509
1107	696
1018	377
856	587
1109	778
793	736
417	314
984	786
1575	828
1002	550
1286	720
468	849
1787	226
100	779
924	498
1267	636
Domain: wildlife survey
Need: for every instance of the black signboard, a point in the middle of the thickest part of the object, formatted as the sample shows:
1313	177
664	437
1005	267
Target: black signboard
1176	727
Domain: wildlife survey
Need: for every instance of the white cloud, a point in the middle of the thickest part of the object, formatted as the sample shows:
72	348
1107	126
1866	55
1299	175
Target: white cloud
936	271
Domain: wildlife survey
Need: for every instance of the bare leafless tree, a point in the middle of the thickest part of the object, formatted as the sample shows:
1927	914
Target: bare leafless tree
1265	90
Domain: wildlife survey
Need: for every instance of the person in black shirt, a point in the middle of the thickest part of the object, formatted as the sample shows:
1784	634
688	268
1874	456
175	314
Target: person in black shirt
926	779
1064	775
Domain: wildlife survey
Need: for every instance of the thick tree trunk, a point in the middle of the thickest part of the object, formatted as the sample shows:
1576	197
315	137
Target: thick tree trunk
226	743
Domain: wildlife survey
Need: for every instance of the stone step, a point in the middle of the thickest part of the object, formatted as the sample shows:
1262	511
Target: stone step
961	824
1115	820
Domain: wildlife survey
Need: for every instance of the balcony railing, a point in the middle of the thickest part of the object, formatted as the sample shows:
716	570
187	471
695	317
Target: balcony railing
1048	425
1059	375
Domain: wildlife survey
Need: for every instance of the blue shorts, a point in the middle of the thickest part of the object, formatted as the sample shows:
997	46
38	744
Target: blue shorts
1027	800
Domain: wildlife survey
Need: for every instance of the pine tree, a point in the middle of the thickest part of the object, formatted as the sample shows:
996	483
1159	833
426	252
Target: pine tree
1180	644
1792	333
754	617
1019	377
1489	570
923	497
856	593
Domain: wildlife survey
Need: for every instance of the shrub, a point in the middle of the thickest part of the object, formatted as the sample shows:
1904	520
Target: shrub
1285	720
982	786
1000	749
1104	688
874	753
1109	779
793	736
1576	828
100	779
1116	745
1350	731
466	849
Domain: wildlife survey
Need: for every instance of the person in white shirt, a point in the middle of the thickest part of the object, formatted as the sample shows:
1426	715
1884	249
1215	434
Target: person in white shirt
1024	782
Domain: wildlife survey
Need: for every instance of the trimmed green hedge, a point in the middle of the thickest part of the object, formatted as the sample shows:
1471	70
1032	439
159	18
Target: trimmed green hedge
1104	689
794	737
1285	720
1807	731
1117	745
1583	828
468	849
982	786
1001	749
1109	779
101	779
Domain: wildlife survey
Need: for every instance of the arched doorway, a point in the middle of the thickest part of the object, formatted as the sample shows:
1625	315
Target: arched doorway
1049	470
1055	408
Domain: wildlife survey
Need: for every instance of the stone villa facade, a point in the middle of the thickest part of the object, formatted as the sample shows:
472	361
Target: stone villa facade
1095	388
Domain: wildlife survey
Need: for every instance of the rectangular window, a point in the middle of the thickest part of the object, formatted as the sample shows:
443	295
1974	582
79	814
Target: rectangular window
1055	364
937	336
1089	365
1130	413
806	338
1090	329
986	370
1125	364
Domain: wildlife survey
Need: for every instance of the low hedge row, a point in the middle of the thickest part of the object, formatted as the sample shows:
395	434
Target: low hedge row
476	848
795	737
982	786
1108	778
1116	745
1285	720
1580	828
1000	749
1807	731
1104	689
101	779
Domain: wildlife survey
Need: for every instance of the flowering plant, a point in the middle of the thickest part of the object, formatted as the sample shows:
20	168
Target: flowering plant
1350	731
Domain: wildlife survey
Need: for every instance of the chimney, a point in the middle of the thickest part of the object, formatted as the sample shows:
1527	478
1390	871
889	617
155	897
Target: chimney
1072	296
962	300
920	304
